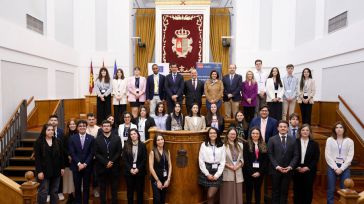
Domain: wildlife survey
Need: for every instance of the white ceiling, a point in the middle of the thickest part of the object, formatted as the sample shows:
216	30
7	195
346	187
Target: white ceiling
151	3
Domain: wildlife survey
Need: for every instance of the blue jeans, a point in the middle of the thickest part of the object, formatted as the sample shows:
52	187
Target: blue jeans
331	182
48	185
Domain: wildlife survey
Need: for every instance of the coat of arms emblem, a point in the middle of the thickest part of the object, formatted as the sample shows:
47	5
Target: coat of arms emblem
182	44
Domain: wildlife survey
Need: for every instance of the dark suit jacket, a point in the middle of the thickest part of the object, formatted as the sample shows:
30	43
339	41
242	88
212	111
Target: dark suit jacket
141	160
280	156
193	95
174	88
60	134
311	157
149	90
78	154
101	155
249	158
271	128
234	89
148	124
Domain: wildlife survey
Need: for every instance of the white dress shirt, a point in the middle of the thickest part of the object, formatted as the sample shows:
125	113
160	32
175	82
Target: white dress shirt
260	77
212	155
304	144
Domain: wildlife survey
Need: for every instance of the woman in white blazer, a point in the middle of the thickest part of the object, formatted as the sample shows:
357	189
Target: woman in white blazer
306	94
124	129
119	93
232	180
136	91
274	90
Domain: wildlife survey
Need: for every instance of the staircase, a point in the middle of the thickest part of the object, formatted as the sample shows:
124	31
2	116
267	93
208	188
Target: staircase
22	162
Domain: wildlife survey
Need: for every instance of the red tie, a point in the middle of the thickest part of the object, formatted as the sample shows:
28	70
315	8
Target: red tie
257	153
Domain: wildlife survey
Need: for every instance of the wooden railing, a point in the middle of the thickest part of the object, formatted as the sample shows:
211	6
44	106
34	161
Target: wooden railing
41	112
59	111
12	133
351	111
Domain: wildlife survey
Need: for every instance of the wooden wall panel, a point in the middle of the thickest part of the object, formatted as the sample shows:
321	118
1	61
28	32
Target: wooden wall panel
73	108
43	109
327	113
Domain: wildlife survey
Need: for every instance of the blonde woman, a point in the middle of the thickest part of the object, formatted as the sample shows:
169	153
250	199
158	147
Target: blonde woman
249	90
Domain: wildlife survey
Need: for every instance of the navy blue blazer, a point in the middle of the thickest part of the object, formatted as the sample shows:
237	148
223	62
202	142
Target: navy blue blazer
60	134
149	90
271	128
174	88
234	89
78	154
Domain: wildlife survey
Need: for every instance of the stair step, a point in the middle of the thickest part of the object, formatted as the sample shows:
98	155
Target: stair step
28	140
18	179
20	168
21	158
24	149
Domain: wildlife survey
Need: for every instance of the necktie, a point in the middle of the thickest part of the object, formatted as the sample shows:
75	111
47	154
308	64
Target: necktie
294	133
82	141
156	84
231	79
194	83
256	151
284	141
263	127
174	78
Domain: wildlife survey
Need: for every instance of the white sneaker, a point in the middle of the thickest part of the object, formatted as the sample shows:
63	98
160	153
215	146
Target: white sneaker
96	193
48	198
60	196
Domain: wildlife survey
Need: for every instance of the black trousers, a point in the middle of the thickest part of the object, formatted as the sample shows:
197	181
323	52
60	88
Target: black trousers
171	103
275	110
303	187
105	180
79	178
306	110
253	184
134	183
103	109
280	186
118	112
249	113
159	196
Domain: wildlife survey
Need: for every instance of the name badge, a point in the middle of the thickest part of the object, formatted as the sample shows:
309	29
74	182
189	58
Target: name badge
255	164
339	160
164	173
134	165
214	166
289	91
305	94
103	91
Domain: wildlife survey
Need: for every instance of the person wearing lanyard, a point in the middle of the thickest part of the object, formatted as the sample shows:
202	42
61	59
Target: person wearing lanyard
290	83
175	120
306	93
103	88
160	167
256	163
275	90
211	161
160	117
232	185
107	153
134	160
241	126
136	91
261	77
144	122
305	172
124	128
119	93
339	152
214	119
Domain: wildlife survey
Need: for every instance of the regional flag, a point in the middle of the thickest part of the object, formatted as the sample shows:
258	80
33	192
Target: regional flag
91	81
115	69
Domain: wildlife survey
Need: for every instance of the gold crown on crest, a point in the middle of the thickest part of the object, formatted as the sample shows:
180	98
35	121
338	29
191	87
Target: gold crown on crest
182	33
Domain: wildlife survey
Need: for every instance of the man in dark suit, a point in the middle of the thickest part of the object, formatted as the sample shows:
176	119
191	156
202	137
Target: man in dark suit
283	156
294	121
173	85
155	88
107	152
193	91
232	96
266	124
81	151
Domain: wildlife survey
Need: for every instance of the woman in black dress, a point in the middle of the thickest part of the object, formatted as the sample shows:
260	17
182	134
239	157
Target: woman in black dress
160	168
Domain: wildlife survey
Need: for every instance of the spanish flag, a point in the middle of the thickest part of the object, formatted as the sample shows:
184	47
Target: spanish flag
91	81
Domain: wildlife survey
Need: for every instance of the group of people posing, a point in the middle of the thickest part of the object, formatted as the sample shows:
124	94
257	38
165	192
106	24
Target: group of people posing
260	142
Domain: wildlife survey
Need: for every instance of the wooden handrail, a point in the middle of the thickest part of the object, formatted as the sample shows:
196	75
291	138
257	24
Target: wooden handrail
7	124
54	112
30	100
351	111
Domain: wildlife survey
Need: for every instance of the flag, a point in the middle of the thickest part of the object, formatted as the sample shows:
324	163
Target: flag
91	81
115	69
